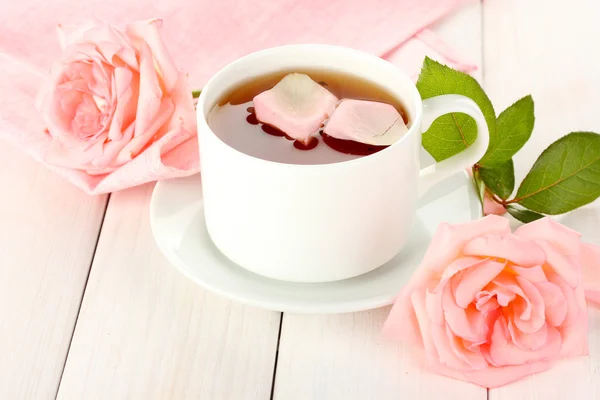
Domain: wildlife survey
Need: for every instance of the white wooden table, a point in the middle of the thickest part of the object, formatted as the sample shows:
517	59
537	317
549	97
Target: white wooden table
89	308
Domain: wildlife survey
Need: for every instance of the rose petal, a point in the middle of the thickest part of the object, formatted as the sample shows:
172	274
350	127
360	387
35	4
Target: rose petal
505	288
474	279
434	305
555	302
126	92
528	341
404	319
149	33
367	122
486	302
574	327
424	323
491	207
457	266
297	105
103	34
530	312
509	247
564	238
100	84
467	323
507	282
590	272
128	57
575	336
69	34
150	92
107	40
184	115
491	377
97	40
101	155
445	352
504	352
448	240
58	110
135	145
527	309
473	358
473	346
532	274
573	309
560	263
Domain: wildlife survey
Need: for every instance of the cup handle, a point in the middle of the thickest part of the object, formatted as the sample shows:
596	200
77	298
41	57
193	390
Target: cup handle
434	108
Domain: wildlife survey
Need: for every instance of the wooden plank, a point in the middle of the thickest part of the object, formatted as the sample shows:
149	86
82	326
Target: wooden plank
48	231
345	356
146	332
548	48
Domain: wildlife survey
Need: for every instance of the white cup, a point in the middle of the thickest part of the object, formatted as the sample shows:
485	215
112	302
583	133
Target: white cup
321	223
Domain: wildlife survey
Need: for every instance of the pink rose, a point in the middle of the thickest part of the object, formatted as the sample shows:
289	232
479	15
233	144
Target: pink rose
489	306
113	94
491	207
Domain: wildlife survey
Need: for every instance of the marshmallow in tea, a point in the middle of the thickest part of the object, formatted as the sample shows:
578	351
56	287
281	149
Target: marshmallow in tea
297	105
368	122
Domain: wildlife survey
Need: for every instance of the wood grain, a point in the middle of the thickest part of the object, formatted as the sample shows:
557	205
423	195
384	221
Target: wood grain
549	49
345	356
48	230
146	332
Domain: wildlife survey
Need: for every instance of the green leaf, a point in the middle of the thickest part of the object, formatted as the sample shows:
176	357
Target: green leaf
450	134
513	129
479	186
500	180
196	93
564	177
523	215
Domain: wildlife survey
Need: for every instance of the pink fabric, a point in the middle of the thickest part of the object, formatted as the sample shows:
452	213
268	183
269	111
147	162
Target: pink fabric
202	36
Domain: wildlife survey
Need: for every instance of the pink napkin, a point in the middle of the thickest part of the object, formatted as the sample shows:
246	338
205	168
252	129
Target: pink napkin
203	36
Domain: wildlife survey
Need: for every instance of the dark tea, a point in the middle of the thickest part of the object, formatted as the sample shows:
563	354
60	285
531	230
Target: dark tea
233	119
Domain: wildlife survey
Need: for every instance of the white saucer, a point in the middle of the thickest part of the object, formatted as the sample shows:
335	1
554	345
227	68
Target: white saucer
177	221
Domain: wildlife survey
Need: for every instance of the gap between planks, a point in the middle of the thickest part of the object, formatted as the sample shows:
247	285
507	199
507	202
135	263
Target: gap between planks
83	294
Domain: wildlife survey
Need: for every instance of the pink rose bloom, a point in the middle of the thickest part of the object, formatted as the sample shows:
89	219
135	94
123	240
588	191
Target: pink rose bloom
112	95
490	206
488	306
